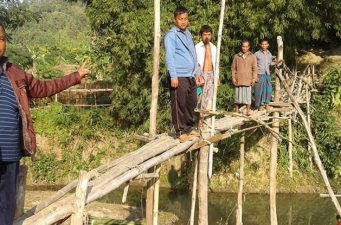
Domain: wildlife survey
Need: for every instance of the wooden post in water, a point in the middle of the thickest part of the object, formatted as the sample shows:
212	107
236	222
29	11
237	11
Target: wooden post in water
80	216
274	142
239	213
290	147
156	62
20	201
194	190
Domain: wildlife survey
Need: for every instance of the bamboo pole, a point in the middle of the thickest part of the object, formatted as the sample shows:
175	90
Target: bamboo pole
194	190
20	199
216	80
125	193
80	217
203	186
274	142
309	121
156	62
150	199
290	147
156	197
239	213
313	145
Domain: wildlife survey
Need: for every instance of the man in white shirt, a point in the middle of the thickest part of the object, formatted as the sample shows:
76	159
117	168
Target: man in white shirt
206	55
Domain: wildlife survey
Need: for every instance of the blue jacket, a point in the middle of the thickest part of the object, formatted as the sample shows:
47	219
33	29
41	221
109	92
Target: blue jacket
181	58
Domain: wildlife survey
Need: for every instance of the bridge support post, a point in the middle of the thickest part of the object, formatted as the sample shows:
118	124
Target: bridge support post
239	213
274	142
150	199
80	217
203	186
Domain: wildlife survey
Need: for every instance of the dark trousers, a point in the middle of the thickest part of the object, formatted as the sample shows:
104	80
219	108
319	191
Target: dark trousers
9	172
183	103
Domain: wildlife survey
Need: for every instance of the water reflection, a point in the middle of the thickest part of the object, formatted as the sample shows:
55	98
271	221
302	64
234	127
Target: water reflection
292	209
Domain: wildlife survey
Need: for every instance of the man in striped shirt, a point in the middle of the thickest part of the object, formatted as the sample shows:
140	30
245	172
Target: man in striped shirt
16	132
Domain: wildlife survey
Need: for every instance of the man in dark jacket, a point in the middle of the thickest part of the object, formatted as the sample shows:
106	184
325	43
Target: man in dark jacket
17	137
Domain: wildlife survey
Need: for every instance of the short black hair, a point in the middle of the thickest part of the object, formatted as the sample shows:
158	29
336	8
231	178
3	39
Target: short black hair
180	10
338	217
245	41
205	28
262	40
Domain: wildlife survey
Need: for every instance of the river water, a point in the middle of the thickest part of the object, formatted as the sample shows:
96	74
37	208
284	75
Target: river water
292	209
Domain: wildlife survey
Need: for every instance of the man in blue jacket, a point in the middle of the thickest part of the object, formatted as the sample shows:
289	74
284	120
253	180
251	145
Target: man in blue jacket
182	69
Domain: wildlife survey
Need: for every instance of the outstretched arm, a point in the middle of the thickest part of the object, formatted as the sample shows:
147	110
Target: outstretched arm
46	88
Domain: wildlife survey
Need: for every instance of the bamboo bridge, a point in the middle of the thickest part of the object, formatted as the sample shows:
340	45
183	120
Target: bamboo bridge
145	161
292	90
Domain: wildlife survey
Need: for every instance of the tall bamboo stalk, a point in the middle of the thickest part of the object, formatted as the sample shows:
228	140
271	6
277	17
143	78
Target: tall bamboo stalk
239	213
156	62
216	80
274	142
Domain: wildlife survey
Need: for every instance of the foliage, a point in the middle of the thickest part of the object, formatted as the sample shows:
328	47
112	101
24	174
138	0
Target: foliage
123	41
51	32
333	88
67	126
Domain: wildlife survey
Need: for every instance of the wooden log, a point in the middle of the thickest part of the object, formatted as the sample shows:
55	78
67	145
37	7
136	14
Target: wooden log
239	213
203	186
274	142
216	81
156	197
313	145
20	199
80	216
156	62
194	190
150	199
290	147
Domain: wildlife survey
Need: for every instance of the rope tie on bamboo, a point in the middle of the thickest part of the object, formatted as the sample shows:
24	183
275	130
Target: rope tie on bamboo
139	167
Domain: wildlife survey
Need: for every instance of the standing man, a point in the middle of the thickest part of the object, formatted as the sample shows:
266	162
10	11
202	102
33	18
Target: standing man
263	88
182	69
206	53
244	76
17	137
